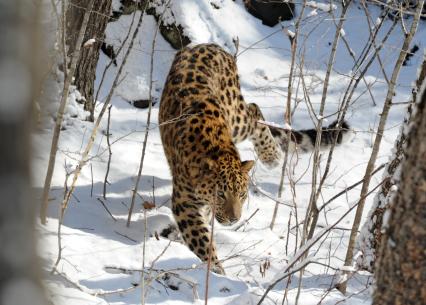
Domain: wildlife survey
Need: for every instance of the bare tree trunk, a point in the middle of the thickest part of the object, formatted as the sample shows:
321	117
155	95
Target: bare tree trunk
19	75
380	130
371	234
86	67
401	266
69	74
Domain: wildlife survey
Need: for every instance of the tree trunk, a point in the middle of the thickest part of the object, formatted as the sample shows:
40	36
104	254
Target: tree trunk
19	59
86	67
370	238
401	265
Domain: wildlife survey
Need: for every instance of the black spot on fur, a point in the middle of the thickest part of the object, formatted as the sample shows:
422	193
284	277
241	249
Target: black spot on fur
183	93
201	79
206	143
177	79
235	133
194	90
182	225
189	77
206	61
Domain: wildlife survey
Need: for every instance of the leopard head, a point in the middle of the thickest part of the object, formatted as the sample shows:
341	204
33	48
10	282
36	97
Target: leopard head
222	183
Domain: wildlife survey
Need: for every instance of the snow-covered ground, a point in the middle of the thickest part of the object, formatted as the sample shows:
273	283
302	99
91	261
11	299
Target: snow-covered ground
101	254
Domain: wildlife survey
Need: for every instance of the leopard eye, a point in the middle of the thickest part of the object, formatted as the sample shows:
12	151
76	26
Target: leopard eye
221	194
243	194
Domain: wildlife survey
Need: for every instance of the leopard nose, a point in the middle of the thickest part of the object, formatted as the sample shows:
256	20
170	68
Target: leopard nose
233	221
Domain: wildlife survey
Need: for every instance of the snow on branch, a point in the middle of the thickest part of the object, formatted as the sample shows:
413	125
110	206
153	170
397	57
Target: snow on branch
321	6
284	126
89	42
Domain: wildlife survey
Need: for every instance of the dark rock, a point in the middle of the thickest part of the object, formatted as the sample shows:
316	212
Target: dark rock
270	11
173	34
410	54
406	5
142	104
108	50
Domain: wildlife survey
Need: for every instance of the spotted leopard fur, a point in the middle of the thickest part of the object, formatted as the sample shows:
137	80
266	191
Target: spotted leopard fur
202	116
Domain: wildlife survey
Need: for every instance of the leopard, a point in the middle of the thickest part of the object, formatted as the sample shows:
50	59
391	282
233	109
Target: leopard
202	116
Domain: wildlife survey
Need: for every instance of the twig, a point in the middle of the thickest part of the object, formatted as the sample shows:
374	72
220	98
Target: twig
349	188
153	190
106	208
161	273
109	151
145	229
246	221
91	175
293	42
266	194
60	113
148	122
113	59
378	139
305	248
60	221
209	261
95	292
125	236
89	145
345	105
312	210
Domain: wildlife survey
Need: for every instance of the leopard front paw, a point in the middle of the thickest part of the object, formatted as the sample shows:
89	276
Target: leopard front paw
272	160
218	268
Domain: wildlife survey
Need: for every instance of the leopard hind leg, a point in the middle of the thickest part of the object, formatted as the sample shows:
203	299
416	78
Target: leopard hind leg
264	143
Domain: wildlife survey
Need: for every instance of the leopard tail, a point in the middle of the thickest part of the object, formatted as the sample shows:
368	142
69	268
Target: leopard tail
305	139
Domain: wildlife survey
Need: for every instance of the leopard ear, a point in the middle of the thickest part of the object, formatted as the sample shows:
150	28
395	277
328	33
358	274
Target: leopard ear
194	171
206	166
246	166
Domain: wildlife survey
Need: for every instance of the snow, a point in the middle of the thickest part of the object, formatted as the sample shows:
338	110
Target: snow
326	7
134	84
284	126
312	13
89	42
101	254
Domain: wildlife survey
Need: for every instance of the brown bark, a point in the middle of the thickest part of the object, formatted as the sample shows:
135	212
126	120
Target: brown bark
372	233
377	140
69	74
20	56
401	265
86	67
